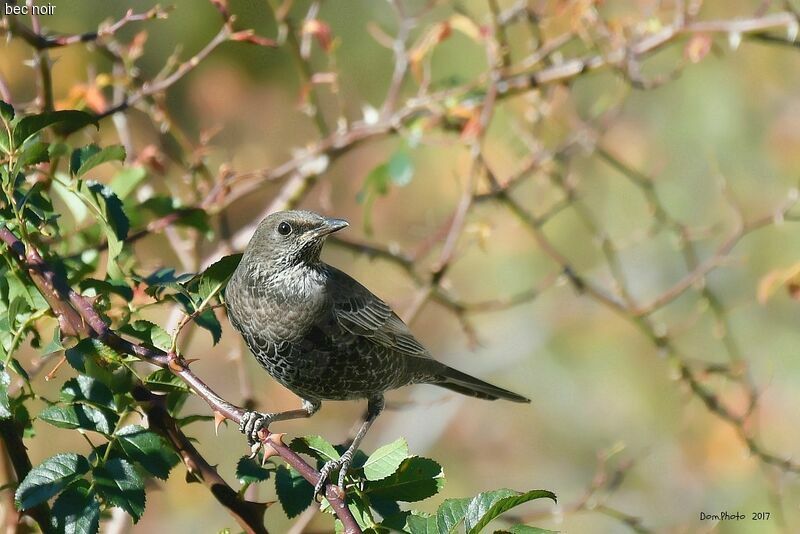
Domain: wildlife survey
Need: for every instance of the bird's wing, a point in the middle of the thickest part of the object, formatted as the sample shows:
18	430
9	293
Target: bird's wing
361	313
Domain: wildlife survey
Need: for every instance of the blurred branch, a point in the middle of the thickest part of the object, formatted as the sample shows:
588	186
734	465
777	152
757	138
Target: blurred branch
43	42
596	496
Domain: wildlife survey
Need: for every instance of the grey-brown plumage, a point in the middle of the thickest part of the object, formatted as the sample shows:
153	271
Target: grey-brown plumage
323	335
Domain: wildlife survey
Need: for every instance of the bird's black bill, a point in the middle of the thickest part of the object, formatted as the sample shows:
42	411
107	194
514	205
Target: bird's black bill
330	226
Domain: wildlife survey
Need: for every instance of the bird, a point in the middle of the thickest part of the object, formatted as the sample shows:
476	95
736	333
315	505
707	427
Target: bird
323	335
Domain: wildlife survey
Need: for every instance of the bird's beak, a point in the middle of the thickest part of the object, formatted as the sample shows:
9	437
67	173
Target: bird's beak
331	225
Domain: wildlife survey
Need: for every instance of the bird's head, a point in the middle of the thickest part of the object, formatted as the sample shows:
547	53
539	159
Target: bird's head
288	238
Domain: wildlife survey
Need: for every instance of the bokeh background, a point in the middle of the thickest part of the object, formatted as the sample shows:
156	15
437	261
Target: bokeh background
629	175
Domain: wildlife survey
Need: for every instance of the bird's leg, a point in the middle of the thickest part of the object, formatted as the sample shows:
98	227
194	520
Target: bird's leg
253	422
374	408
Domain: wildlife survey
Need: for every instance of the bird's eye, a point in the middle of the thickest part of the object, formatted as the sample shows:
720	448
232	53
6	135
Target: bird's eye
284	228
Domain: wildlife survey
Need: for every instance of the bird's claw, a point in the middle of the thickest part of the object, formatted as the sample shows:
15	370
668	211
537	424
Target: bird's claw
251	424
342	464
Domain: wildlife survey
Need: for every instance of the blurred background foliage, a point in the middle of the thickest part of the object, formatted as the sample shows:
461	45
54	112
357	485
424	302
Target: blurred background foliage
707	123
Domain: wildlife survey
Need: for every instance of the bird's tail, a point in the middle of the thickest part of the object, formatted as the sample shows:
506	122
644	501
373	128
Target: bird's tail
454	380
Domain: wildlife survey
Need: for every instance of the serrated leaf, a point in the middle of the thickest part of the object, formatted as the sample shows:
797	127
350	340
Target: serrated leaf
416	479
315	446
70	120
119	483
248	471
450	514
489	505
148	449
76	510
48	478
5	406
294	492
82	416
385	460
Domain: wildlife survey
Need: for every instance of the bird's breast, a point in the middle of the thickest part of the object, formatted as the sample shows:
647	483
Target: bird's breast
281	308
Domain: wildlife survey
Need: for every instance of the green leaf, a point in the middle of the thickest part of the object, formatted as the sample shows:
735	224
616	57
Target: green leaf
208	321
248	471
489	505
119	483
400	168
34	153
126	180
55	344
108	209
82	416
102	197
163	380
70	120
88	158
450	514
213	279
74	201
6	111
5	380
16	310
417	479
106	287
150	333
76	510
87	388
79	155
385	460
315	446
48	478
420	524
4	144
294	492
164	278
91	357
148	449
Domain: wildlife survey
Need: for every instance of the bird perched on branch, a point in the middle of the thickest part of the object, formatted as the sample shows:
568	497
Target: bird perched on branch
323	335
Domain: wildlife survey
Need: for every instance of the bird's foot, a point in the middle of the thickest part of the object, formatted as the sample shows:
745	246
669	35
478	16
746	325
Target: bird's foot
342	464
251	424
